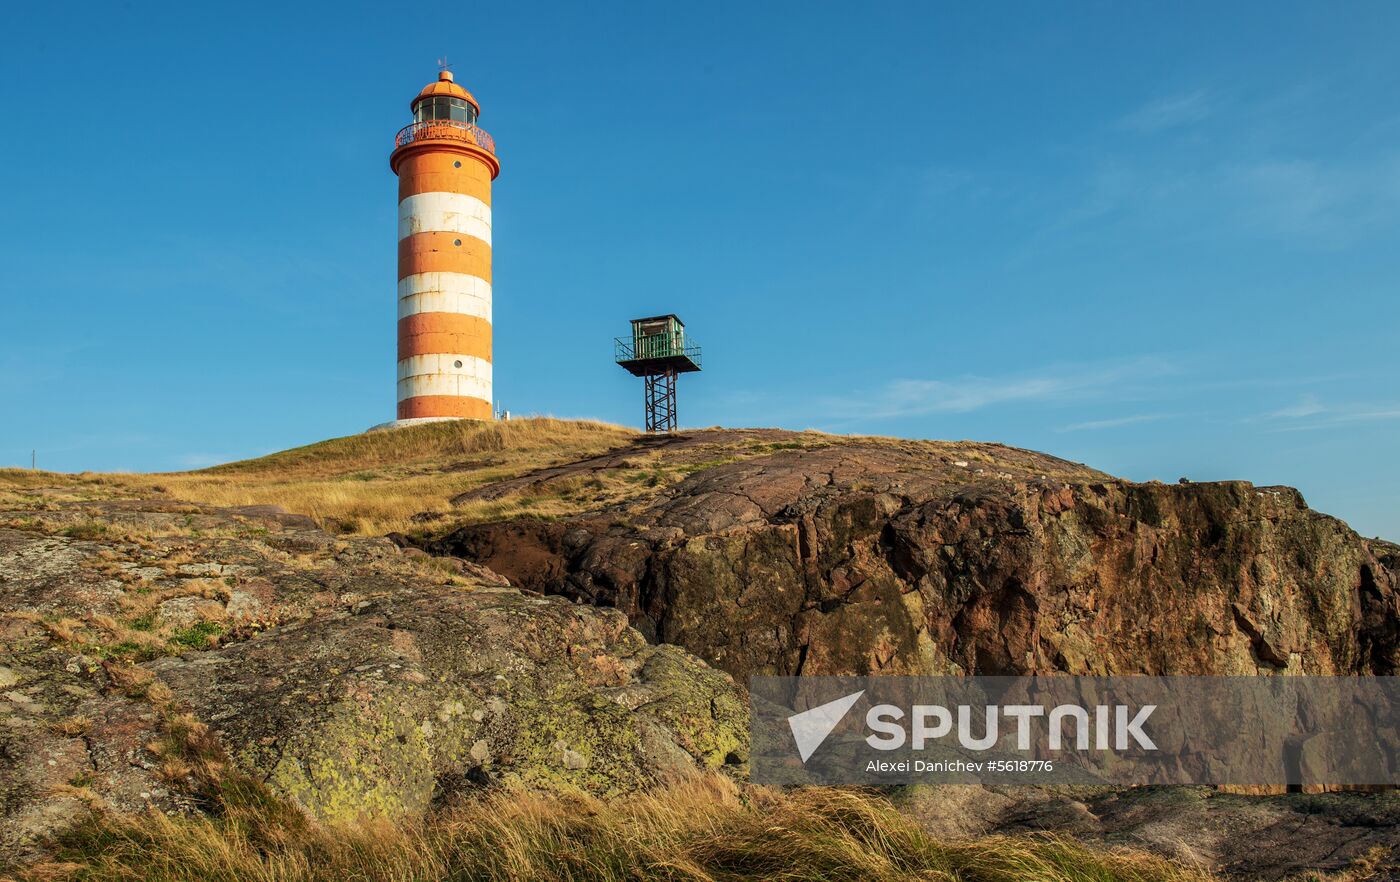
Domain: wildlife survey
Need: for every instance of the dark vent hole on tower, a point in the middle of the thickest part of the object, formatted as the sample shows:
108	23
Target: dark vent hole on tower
457	164
456	364
456	241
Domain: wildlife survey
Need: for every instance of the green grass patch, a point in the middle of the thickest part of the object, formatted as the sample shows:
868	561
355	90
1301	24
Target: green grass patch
144	622
129	650
87	530
197	636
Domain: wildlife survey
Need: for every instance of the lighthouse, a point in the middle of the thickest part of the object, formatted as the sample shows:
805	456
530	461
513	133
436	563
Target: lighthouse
445	164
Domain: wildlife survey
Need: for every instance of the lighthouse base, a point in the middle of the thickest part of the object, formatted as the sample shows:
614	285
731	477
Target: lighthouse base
418	421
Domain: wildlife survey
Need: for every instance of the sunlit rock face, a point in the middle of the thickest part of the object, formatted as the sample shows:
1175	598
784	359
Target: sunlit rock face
879	555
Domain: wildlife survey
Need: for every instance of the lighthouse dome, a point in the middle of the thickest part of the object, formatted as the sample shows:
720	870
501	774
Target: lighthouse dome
446	93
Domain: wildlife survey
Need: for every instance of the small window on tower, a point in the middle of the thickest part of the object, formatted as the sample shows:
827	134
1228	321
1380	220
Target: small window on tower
456	364
457	164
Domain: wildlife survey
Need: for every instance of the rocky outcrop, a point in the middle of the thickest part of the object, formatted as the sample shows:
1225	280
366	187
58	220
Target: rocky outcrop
1288	837
412	697
147	645
875	555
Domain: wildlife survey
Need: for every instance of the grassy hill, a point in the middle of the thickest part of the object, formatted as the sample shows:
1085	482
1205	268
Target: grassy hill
367	484
375	483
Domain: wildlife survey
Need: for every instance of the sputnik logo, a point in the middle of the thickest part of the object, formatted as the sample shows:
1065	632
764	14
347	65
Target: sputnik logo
810	728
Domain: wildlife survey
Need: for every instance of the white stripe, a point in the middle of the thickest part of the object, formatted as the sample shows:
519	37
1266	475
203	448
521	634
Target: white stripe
445	292
443	212
438	374
445	363
442	384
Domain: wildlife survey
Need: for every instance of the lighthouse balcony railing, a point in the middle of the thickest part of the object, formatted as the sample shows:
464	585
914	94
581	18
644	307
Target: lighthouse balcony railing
655	347
445	129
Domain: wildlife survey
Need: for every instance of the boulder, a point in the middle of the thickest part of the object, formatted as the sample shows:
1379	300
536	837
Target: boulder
351	679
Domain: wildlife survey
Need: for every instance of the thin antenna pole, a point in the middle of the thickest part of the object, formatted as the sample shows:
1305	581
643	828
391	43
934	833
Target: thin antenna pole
34	460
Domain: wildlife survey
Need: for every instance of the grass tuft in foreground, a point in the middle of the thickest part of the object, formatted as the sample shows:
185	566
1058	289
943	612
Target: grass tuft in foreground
705	829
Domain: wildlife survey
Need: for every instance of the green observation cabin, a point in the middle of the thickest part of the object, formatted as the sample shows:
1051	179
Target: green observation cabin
658	351
657	343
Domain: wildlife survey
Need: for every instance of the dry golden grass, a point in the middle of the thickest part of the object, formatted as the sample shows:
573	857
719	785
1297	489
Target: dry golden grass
367	484
22	489
187	748
374	483
704	830
1377	863
71	727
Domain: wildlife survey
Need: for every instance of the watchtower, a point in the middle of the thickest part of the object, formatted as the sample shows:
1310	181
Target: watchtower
659	352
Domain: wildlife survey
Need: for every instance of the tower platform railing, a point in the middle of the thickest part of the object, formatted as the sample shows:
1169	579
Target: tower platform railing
632	349
445	130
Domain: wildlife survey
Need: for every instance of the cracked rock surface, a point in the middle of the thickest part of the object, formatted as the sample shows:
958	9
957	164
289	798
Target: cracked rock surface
351	677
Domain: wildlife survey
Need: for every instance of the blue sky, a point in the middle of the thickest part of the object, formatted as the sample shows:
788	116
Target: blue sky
1159	239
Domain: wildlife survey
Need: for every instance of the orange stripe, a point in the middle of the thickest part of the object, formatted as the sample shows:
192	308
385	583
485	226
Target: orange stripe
430	332
439	252
444	406
436	172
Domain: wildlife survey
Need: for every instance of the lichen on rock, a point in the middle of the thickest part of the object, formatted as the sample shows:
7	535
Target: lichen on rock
348	678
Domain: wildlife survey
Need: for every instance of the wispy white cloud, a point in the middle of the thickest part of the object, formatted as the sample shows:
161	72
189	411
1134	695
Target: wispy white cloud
914	397
1347	416
1168	112
1320	203
1116	422
1309	413
1312	199
1241	172
1306	406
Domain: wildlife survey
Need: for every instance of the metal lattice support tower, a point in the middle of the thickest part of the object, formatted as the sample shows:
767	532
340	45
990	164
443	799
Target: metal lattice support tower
661	401
658	351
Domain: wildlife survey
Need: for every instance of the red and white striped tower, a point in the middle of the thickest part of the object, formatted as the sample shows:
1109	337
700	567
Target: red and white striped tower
445	165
